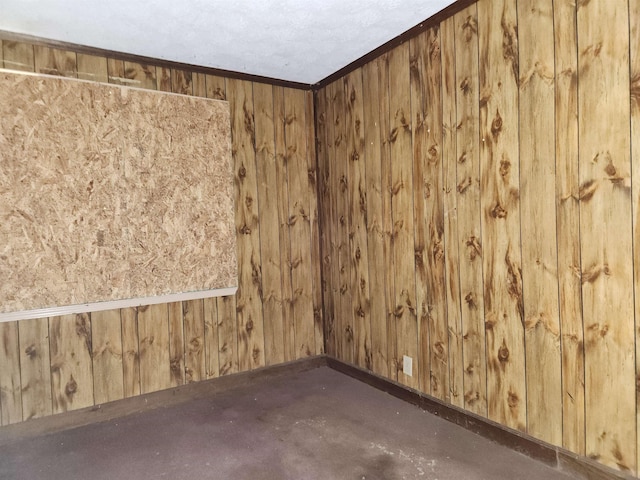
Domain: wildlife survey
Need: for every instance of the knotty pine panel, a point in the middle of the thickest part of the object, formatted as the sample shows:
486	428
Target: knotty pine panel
134	351
537	134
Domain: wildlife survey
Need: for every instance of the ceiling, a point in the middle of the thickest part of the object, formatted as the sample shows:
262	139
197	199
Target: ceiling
295	40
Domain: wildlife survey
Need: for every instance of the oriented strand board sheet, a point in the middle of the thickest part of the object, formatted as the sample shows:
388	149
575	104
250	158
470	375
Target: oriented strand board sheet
109	193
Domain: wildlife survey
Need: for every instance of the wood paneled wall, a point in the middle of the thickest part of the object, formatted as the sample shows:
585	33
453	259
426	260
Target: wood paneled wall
53	365
480	202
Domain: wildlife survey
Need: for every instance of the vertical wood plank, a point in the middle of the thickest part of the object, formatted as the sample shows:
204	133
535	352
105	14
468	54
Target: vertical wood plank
194	340
211	338
216	88
568	226
199	84
426	104
387	217
35	373
634	72
402	213
130	352
358	248
606	231
71	370
248	298
299	222
181	82
106	342
323	115
176	343
153	332
10	387
140	75
538	230
52	61
449	174
227	335
344	314
18	56
115	70
92	68
375	229
498	72
282	178
468	209
163	79
312	194
269	235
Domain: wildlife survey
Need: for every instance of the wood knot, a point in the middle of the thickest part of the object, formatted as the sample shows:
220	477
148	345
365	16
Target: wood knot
175	366
393	136
496	125
498	212
503	353
343	289
465	86
470	298
512	399
242	172
31	351
505	168
610	170
71	387
352	97
398	311
249	326
355	156
245	230
255	354
360	311
363	284
358	253
463	158
433	153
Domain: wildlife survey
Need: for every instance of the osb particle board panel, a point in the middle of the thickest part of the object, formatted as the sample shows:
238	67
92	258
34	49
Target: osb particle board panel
109	193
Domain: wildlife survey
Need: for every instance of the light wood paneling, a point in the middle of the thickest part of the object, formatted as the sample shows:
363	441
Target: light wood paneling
606	231
499	181
157	348
130	352
537	191
634	25
34	368
194	341
211	338
18	56
106	343
269	230
299	224
248	298
71	366
449	178
153	335
10	385
568	226
176	343
402	176
469	213
358	248
375	230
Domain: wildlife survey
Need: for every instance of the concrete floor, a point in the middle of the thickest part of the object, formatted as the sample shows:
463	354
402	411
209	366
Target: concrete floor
318	424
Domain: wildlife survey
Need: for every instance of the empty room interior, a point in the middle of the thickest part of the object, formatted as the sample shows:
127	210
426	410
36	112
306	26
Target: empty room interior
320	240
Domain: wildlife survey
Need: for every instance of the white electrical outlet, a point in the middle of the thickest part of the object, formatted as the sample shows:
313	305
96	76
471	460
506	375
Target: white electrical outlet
407	365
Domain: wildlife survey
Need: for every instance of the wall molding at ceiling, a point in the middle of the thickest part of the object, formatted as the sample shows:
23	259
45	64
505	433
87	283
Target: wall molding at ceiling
129	57
430	22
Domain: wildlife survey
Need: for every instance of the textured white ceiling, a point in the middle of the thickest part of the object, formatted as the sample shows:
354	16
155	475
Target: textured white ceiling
295	40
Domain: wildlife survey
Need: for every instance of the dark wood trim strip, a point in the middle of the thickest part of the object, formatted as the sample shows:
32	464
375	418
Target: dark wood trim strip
432	21
129	57
551	455
163	398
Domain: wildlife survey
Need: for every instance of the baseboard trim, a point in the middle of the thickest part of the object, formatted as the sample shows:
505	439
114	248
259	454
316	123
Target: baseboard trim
163	398
551	455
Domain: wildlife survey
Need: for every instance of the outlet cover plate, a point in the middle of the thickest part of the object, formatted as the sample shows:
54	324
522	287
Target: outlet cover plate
407	365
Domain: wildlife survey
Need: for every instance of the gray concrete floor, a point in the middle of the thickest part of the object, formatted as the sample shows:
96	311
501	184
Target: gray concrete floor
318	424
